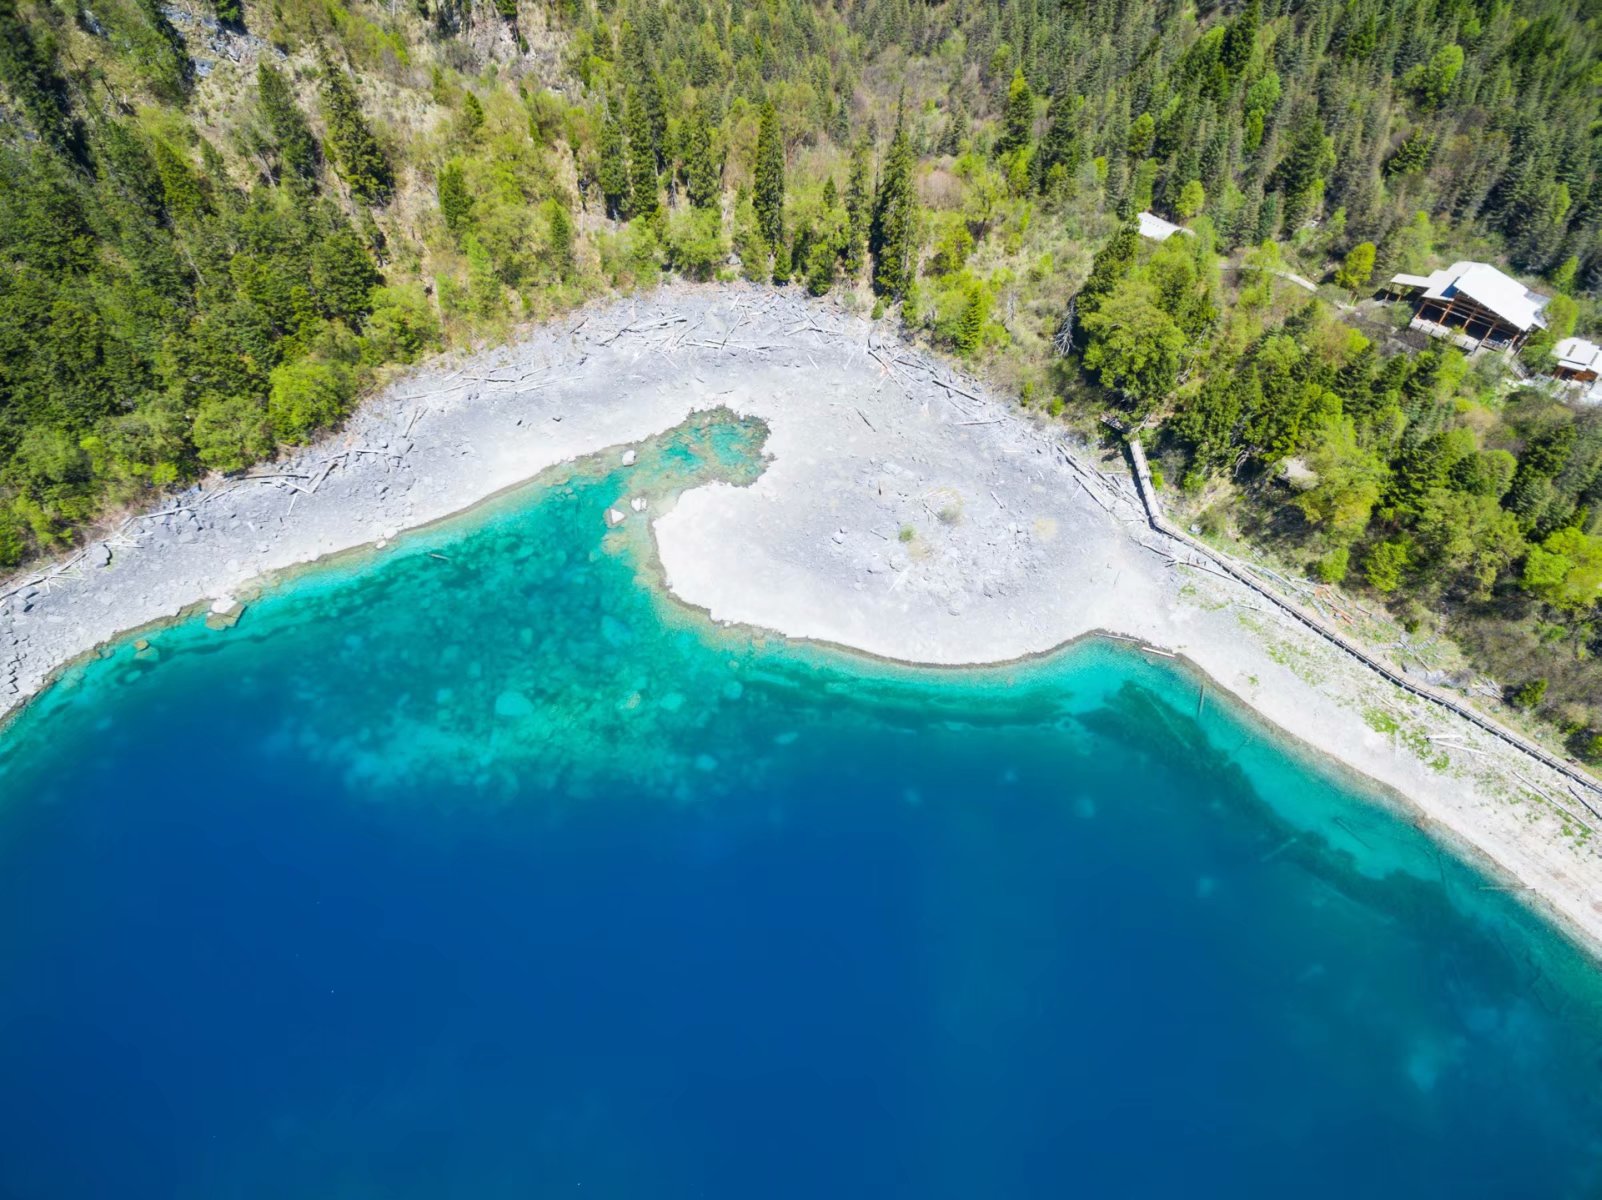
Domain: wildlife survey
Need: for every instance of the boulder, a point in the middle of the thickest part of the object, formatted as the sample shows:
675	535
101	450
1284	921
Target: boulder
513	705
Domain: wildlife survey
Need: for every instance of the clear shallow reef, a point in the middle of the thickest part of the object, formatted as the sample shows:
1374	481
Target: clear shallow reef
475	867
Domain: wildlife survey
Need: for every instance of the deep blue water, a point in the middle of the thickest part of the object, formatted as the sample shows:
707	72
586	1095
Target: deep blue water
492	874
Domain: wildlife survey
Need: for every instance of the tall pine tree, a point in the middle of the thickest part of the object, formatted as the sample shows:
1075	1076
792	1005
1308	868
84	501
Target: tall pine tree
644	200
1018	125
700	172
359	158
858	206
614	170
895	218
768	196
297	148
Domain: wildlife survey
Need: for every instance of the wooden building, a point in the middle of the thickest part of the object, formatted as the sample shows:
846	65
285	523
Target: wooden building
1578	361
1474	306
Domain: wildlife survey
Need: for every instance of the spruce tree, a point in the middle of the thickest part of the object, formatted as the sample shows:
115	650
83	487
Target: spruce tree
1112	262
561	238
970	331
1240	39
297	148
455	202
1060	146
614	171
769	193
643	199
655	116
358	157
472	116
858	213
700	172
1018	125
956	131
821	261
895	217
28	72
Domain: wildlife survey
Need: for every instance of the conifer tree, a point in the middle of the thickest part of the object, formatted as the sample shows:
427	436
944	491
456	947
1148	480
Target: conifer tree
970	330
29	74
297	148
895	218
561	238
769	190
956	130
858	212
821	260
1060	146
358	157
1240	39
455	202
614	171
1017	129
472	116
700	172
1112	262
655	116
644	200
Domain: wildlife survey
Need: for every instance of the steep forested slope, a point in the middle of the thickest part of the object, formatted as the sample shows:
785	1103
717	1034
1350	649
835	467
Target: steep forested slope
217	223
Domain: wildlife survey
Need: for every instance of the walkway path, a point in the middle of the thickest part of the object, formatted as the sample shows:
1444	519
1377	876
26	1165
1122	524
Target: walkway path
1240	574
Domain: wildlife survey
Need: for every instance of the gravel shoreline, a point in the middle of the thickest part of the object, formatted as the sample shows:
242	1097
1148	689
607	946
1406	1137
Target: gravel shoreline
905	513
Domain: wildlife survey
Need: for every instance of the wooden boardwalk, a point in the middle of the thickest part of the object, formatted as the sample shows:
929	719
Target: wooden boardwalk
1225	563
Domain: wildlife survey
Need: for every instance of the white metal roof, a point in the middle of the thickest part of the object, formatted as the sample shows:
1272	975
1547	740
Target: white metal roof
1485	285
1577	354
1156	228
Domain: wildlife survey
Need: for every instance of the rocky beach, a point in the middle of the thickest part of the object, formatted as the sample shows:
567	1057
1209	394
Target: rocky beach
904	512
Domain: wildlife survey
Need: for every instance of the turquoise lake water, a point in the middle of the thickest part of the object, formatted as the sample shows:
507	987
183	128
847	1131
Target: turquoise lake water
476	868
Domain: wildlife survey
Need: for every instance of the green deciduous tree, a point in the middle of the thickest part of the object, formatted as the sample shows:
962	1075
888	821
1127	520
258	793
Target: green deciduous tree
1357	268
1134	345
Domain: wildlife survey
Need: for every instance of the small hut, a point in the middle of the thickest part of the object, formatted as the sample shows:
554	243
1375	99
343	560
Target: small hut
1578	361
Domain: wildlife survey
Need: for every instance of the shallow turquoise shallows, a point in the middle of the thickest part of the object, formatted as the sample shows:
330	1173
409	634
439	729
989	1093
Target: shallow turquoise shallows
476	868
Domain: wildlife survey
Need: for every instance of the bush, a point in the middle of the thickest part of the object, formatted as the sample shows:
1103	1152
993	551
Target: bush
1332	567
1386	565
231	432
13	540
695	243
306	396
401	327
1530	695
